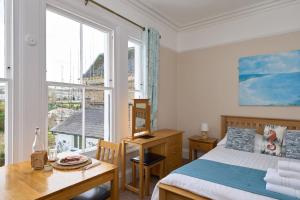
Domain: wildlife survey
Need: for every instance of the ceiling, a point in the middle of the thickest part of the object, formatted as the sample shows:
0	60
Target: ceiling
184	14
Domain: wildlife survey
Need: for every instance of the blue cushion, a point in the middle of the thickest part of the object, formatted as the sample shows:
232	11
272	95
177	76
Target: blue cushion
292	144
242	139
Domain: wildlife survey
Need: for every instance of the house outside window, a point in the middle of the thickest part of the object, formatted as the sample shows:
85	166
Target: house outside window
79	82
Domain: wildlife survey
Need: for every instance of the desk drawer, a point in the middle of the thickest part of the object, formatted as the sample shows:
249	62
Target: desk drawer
175	140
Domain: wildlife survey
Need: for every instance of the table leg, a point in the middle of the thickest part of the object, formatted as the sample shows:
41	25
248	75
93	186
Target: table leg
147	180
115	185
195	154
133	174
123	154
141	172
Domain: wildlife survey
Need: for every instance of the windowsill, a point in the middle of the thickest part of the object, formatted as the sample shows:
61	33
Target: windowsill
90	152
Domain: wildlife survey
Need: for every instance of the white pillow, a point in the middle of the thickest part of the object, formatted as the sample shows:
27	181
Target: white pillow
223	141
257	146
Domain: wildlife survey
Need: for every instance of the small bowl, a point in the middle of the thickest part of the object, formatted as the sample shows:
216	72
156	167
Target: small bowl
48	168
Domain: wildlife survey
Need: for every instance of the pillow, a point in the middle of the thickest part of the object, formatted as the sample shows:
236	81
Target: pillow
292	144
272	139
223	141
240	139
257	143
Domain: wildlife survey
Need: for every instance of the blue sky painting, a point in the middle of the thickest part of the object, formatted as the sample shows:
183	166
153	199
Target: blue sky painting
270	80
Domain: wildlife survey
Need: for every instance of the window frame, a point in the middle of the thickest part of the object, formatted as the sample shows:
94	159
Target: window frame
140	91
109	73
8	75
142	70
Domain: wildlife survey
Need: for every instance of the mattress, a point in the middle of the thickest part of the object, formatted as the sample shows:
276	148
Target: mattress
217	191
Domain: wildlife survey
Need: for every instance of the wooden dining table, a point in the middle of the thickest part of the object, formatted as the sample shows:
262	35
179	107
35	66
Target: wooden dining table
20	182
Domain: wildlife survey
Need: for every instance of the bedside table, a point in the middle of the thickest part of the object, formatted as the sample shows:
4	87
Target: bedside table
196	143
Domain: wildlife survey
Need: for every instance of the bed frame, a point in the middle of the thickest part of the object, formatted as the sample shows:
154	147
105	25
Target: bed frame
168	192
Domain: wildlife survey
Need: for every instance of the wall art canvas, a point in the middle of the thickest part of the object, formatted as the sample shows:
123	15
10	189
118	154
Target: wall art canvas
270	80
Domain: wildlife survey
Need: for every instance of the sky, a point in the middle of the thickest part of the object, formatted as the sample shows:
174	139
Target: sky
63	48
287	62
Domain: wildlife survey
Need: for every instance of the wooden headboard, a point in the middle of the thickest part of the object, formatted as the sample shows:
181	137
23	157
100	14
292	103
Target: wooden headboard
255	122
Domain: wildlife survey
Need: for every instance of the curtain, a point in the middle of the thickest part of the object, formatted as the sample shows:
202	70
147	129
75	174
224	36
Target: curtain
152	43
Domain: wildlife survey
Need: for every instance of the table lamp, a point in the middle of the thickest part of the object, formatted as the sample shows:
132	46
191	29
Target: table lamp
204	130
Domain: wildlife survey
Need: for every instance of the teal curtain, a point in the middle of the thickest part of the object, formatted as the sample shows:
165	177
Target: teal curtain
152	42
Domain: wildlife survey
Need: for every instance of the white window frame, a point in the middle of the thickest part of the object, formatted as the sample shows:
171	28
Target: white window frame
139	77
8	63
109	72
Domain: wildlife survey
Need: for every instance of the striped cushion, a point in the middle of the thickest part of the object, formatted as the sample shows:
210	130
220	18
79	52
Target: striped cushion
292	144
240	139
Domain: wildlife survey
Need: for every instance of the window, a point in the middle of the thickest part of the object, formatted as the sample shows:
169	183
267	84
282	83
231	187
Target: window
79	88
135	74
4	85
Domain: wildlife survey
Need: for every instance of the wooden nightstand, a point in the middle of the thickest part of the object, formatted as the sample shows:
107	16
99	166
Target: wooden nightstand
196	143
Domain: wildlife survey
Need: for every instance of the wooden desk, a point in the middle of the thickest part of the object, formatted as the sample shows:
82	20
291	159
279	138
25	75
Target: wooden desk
20	181
165	142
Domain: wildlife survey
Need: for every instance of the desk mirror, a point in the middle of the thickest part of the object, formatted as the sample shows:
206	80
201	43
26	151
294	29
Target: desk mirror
140	118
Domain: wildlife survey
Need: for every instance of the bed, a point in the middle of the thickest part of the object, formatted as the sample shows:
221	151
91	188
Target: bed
181	187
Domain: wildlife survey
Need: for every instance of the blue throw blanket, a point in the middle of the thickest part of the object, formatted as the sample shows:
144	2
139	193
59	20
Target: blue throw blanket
242	178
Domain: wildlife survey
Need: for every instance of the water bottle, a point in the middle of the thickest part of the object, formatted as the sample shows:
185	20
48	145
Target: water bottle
37	143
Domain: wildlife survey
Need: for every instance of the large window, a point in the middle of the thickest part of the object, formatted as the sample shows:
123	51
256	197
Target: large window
4	85
79	83
135	74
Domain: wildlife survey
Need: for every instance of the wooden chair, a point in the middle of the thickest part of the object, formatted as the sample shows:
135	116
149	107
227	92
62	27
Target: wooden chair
107	152
150	160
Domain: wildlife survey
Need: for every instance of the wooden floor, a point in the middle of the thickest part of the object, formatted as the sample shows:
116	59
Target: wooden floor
127	195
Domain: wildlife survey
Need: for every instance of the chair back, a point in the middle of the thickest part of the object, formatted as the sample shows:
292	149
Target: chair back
108	152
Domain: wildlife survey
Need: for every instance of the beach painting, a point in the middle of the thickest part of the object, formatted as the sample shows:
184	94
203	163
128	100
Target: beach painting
270	80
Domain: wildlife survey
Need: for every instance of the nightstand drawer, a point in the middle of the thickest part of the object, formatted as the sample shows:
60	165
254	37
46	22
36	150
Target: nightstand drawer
201	146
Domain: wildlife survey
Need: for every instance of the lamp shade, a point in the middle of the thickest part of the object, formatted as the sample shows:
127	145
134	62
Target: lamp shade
204	127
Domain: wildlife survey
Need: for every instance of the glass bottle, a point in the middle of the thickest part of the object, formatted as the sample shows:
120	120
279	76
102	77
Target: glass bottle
37	143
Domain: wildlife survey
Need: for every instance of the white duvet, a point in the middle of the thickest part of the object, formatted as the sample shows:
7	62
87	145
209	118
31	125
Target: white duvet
217	191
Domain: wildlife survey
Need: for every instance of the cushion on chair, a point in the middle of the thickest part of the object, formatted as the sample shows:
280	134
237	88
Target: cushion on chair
97	193
149	158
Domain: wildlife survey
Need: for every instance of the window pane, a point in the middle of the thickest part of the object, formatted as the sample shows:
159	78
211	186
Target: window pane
134	75
94	116
2	122
2	44
65	118
94	56
77	118
63	49
131	66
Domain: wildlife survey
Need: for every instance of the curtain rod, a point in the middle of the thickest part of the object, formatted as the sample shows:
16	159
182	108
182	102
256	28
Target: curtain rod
109	10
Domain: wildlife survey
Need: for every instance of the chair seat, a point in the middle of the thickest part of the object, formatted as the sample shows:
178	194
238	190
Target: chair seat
149	159
97	193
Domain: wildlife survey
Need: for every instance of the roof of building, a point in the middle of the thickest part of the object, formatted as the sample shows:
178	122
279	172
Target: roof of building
97	67
94	120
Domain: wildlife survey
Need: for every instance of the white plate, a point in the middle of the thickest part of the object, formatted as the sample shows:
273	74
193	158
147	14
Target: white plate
81	160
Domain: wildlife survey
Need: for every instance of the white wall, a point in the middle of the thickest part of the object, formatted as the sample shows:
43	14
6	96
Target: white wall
30	98
28	75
